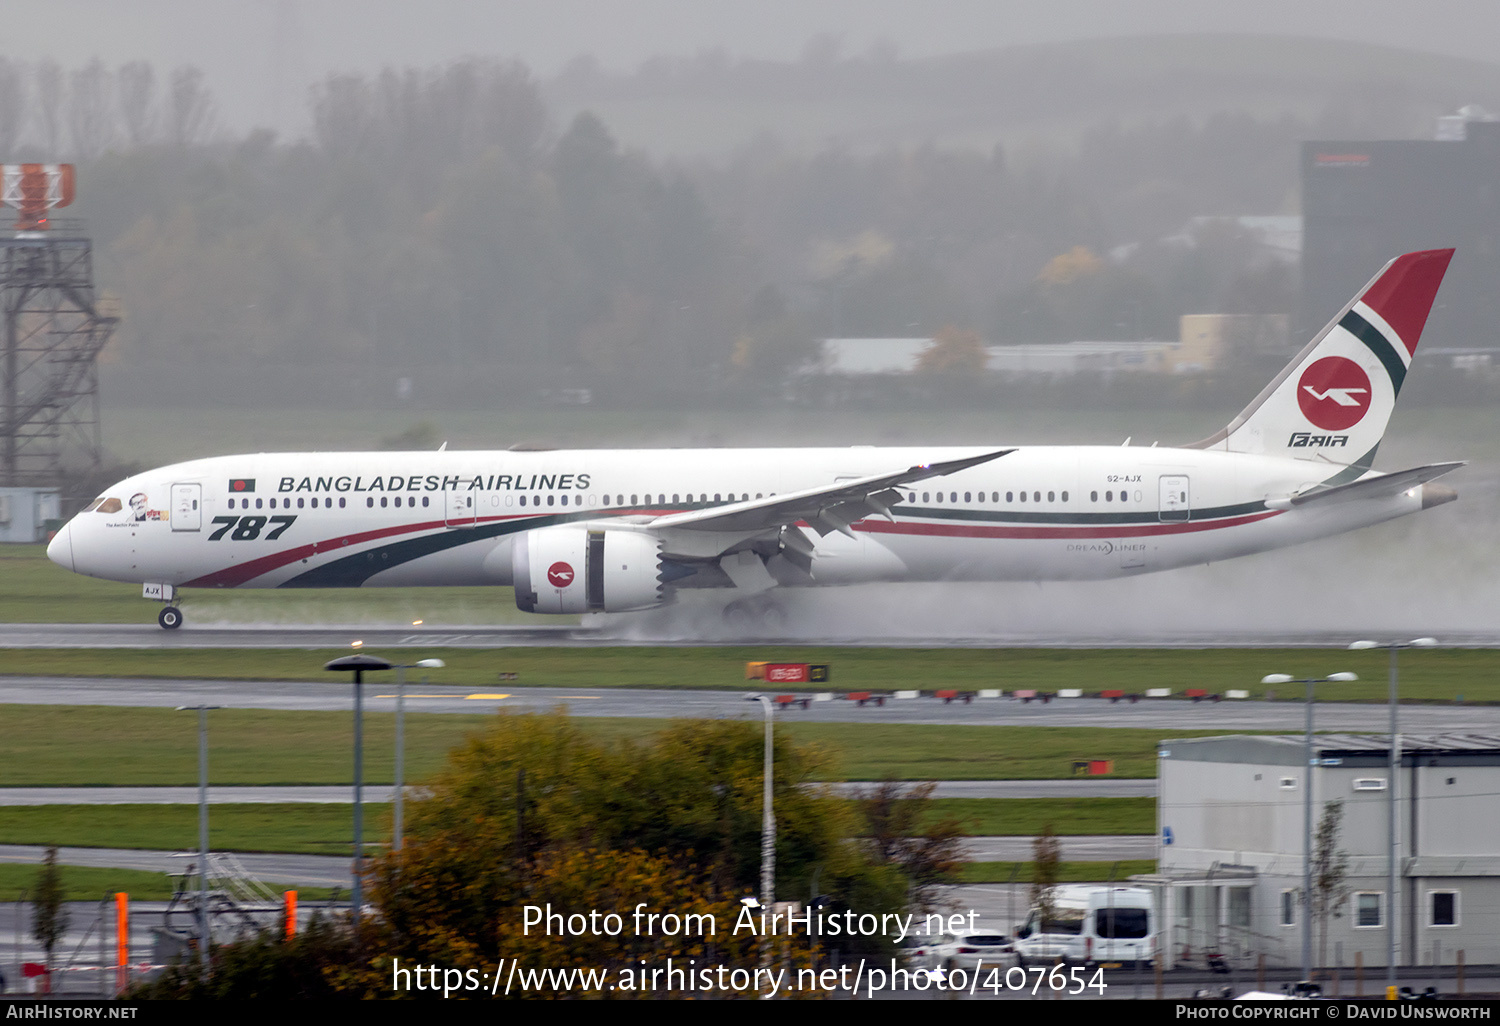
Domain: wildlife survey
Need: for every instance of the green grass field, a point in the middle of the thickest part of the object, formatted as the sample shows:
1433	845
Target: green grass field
87	883
93	883
1067	872
328	829
1027	817
294	828
78	746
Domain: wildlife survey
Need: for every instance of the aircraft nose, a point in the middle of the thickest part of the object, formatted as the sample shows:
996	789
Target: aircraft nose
60	549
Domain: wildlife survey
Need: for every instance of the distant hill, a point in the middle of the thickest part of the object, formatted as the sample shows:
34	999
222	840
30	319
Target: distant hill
710	104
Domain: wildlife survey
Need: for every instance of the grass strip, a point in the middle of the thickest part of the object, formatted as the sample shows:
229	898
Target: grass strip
79	746
86	883
1067	872
1027	817
294	828
90	883
328	829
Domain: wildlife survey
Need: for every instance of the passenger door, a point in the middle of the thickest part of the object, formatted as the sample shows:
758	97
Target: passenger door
1176	506
187	507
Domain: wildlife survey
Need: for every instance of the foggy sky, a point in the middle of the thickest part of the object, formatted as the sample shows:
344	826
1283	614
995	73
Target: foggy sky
261	55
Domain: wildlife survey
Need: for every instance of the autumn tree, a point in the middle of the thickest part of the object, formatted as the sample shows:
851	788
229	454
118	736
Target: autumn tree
136	86
1046	861
49	915
953	352
904	831
1330	873
317	963
673	821
13	101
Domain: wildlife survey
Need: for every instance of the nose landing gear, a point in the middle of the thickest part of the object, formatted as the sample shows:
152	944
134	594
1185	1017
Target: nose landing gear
170	618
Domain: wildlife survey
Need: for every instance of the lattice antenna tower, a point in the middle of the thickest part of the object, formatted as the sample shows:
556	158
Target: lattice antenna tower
53	332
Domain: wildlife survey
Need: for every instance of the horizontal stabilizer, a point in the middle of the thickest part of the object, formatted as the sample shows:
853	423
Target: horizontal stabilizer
1377	487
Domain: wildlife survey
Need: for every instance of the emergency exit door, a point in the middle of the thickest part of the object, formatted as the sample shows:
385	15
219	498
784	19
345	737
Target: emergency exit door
1176	507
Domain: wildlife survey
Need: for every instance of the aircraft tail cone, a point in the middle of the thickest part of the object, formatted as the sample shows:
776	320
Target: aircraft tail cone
1436	494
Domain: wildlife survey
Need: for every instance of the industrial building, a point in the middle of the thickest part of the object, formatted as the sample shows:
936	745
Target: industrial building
1231	843
29	515
1364	202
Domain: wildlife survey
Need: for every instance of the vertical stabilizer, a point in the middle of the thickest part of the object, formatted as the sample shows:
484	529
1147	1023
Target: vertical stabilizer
1335	398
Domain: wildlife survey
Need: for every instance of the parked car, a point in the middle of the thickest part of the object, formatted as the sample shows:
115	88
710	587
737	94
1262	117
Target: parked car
969	950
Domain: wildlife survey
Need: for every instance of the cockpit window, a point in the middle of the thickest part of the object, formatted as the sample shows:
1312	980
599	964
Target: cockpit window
93	505
108	506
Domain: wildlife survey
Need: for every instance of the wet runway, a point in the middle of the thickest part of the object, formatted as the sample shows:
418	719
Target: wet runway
608	632
329	693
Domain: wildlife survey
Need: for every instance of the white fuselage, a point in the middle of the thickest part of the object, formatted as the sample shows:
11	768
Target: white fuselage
450	518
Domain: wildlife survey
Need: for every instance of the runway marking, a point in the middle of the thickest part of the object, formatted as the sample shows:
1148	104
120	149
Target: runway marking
559	698
421	696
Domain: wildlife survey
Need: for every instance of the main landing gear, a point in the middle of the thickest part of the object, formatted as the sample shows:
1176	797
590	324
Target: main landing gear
758	613
170	618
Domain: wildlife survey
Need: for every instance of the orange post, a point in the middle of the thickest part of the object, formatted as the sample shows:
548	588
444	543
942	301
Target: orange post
122	941
291	914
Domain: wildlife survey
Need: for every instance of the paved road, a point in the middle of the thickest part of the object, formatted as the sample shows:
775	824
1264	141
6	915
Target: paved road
299	870
1082	787
324	693
1086	848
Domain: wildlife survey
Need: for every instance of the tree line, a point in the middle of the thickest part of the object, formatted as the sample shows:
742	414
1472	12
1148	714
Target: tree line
438	224
545	846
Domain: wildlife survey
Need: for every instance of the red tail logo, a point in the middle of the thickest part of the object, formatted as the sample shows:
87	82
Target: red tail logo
1334	393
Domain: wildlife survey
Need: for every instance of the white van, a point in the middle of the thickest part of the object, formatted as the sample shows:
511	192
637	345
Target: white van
1091	925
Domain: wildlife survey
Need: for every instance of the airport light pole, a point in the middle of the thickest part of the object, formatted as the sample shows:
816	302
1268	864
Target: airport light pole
401	668
358	664
203	935
1392	836
1307	761
767	815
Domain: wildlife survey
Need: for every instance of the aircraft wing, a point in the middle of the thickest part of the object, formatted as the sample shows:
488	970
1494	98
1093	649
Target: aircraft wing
1368	488
827	508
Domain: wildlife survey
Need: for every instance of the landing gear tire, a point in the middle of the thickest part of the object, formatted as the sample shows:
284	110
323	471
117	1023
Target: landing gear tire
170	618
759	613
773	619
737	614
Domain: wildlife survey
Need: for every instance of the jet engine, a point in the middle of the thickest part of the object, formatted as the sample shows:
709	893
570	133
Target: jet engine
584	569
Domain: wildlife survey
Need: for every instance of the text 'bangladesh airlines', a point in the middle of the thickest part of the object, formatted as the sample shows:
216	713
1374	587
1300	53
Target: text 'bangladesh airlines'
600	530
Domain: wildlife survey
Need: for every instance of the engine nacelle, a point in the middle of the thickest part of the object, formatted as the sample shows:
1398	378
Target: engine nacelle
585	569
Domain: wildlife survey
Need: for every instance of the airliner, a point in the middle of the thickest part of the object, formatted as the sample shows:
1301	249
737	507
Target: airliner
615	530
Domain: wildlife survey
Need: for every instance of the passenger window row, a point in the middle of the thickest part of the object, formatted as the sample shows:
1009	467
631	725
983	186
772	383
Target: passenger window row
302	503
969	497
